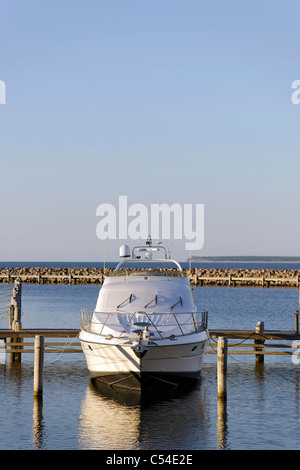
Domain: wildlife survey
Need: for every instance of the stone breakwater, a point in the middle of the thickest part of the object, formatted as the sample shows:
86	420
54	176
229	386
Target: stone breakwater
245	277
198	276
51	275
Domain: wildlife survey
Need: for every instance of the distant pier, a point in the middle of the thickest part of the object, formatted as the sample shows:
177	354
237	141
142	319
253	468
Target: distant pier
198	276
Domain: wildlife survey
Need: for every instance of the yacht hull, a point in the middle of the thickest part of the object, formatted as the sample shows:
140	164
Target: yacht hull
145	382
125	366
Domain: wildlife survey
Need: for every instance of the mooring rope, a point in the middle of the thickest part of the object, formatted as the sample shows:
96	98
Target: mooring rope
63	349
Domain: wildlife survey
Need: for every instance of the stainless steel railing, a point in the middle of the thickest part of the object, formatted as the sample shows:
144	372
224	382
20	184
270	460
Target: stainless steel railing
160	325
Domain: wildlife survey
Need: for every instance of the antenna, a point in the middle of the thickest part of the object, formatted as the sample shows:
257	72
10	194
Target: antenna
104	258
170	249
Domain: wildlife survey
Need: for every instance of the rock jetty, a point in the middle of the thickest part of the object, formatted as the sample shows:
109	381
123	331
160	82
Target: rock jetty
245	277
198	276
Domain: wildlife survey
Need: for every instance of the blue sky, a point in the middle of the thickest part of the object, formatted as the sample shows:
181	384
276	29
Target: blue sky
162	101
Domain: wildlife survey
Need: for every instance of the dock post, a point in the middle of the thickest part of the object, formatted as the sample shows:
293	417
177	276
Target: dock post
38	366
259	357
17	355
15	320
17	313
297	321
222	427
11	316
11	322
222	367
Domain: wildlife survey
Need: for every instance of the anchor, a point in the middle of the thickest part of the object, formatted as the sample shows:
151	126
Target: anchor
140	349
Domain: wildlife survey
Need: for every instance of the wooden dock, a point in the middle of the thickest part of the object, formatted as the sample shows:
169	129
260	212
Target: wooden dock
68	334
252	340
285	335
46	332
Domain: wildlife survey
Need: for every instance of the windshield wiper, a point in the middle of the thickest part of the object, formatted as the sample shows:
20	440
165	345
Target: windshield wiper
151	301
129	299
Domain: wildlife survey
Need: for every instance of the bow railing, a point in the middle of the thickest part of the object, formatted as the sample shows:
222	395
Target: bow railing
131	324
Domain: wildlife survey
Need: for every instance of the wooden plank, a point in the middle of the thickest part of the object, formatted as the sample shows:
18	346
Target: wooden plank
270	353
30	332
208	351
251	345
13	350
229	333
252	334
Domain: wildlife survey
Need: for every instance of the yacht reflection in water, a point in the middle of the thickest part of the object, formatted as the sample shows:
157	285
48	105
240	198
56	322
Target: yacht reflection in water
121	420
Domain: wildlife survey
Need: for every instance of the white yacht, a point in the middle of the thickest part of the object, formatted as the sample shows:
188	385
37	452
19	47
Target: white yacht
145	332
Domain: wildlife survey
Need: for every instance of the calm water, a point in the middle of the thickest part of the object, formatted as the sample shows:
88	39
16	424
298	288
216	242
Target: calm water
262	410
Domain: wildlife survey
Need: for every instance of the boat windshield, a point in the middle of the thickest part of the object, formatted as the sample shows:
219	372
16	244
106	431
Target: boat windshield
148	268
